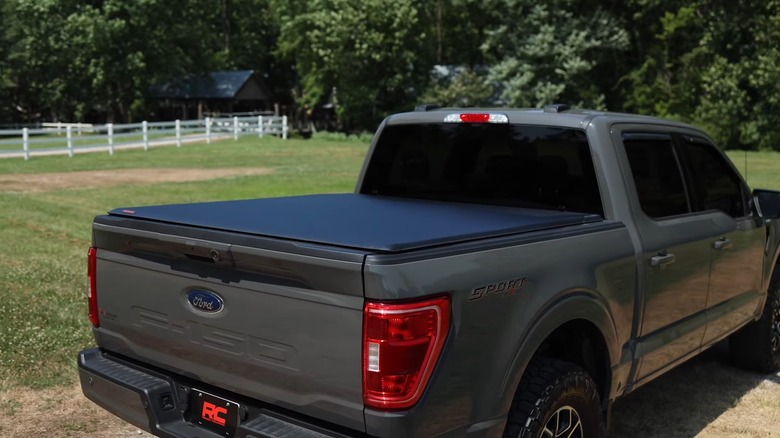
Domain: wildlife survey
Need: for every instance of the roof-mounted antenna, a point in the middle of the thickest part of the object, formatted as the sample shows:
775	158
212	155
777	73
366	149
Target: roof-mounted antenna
426	107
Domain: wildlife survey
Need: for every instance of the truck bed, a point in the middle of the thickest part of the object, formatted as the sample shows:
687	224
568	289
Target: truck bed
288	273
363	222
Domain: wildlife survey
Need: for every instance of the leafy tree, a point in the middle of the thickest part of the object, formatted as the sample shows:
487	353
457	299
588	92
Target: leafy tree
547	51
739	103
714	63
461	87
67	59
248	30
710	62
364	54
251	30
668	81
5	81
456	30
36	54
131	45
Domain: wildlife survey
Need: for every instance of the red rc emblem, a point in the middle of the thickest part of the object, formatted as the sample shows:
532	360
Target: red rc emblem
212	412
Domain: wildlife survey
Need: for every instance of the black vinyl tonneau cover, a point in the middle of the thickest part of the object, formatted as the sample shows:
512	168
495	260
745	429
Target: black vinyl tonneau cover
366	222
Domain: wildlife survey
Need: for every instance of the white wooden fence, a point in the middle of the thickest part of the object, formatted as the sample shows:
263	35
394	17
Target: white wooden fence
71	138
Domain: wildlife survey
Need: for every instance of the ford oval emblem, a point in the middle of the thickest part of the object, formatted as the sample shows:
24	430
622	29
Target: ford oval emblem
205	301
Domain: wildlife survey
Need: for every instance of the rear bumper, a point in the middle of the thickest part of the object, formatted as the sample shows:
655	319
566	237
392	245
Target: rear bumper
158	403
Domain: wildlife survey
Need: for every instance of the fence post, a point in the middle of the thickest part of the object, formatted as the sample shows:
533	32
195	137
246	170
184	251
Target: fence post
208	130
260	126
284	127
235	128
69	134
26	143
145	130
178	133
110	127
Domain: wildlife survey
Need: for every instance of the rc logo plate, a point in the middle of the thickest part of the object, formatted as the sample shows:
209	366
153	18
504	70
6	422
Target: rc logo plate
214	413
205	301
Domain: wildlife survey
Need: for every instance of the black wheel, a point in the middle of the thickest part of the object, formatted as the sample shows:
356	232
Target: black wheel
757	345
555	399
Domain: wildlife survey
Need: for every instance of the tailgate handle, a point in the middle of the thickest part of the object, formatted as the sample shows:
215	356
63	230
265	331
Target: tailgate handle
208	256
200	258
662	259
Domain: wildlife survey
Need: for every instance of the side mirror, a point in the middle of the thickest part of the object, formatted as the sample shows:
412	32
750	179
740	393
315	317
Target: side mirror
767	203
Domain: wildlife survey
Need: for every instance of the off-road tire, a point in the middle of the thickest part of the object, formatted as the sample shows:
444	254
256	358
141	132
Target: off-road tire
551	394
757	346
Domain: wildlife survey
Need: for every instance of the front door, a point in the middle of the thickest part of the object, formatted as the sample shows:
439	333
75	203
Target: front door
737	255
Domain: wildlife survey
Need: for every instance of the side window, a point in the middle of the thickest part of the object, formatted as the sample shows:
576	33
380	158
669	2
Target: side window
656	173
714	183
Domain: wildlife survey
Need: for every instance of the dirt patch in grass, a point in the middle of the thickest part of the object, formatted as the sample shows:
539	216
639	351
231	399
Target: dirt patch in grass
43	182
58	412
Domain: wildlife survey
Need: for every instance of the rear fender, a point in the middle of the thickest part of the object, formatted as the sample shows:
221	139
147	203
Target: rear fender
570	306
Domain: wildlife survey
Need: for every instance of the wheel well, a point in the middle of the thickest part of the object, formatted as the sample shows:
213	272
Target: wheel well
580	342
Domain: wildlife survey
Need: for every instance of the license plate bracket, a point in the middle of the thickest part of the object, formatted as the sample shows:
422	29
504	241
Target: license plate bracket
214	413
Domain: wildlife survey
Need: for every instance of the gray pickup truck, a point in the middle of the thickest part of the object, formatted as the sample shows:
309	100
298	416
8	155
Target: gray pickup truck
496	273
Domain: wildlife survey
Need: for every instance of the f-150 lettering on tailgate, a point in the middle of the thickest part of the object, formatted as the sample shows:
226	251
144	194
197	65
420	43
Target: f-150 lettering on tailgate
227	341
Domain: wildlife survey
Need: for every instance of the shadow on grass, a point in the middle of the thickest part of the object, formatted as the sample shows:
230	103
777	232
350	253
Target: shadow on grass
684	401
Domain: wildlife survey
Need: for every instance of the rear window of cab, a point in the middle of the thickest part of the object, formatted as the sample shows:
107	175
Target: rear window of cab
489	163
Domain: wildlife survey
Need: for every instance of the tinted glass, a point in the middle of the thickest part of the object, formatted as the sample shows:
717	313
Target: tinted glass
657	177
715	184
515	165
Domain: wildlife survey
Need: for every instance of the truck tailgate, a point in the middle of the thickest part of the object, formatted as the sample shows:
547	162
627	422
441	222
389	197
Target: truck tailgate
280	327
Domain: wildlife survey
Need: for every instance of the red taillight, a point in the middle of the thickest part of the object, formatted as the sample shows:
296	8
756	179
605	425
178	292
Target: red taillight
94	317
401	345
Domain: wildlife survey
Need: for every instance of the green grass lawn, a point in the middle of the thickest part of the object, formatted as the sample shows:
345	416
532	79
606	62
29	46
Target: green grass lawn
44	236
760	169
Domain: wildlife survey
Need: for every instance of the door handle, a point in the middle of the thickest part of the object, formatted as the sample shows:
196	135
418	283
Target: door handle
722	243
662	259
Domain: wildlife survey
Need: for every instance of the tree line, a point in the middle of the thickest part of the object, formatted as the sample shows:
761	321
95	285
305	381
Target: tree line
715	63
